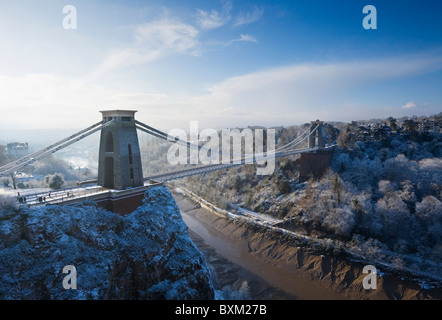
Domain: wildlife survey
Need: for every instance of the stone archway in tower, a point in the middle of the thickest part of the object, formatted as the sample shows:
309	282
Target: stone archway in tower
109	144
109	173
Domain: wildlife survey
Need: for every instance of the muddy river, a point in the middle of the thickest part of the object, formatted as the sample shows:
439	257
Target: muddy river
233	265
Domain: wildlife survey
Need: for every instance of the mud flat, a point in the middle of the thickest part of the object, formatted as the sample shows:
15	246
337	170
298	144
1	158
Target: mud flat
276	269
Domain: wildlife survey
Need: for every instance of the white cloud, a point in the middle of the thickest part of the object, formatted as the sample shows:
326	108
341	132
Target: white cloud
248	17
215	18
242	38
282	95
152	41
410	105
48	101
310	91
211	20
167	36
247	38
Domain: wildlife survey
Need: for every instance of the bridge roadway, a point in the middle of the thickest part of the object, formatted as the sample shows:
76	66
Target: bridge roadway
77	194
92	190
58	196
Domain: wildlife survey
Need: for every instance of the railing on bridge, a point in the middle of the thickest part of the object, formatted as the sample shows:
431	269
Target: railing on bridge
57	196
75	194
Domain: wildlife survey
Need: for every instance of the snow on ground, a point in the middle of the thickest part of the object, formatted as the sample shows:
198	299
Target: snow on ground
14	193
145	255
252	214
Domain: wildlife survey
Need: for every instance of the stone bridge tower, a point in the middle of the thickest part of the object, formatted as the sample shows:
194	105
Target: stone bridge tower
319	134
314	164
119	162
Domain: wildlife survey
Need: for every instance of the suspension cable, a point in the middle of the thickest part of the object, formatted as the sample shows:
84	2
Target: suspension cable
162	135
28	160
35	154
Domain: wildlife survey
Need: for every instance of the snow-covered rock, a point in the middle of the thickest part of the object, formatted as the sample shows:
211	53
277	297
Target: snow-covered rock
145	255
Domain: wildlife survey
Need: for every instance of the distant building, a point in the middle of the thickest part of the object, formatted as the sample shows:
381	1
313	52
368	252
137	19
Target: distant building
16	150
25	177
429	125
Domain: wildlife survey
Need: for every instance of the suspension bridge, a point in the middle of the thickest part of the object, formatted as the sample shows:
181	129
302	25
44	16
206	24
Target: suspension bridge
121	185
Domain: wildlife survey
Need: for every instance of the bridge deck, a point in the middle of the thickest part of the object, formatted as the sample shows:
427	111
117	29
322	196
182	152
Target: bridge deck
92	191
78	194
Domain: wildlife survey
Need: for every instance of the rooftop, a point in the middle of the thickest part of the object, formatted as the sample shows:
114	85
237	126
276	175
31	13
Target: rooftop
119	113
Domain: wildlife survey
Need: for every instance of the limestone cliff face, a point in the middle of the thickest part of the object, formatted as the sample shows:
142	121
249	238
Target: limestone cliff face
145	255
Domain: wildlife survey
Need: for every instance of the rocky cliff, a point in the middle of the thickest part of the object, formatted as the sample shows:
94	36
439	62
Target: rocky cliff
145	255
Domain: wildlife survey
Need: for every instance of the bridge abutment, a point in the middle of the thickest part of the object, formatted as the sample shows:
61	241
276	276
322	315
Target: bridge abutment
123	202
314	164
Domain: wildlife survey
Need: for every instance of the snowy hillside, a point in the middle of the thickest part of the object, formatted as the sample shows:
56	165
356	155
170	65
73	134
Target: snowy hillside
145	255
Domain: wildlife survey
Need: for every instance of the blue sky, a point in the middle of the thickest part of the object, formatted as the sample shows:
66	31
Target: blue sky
222	63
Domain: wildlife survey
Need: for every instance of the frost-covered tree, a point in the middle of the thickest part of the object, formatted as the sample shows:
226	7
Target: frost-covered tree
429	211
4	158
340	221
8	203
395	215
234	293
54	181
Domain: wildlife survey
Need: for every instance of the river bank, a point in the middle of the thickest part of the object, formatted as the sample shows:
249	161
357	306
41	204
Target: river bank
293	271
